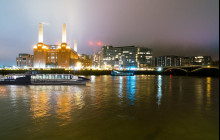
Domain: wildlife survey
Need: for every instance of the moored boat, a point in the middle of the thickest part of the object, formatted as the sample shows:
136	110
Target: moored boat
43	79
122	73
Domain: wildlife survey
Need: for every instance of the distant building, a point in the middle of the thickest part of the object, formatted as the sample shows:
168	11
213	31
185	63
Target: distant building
97	60
201	60
24	60
154	62
169	61
172	61
85	60
123	57
55	56
215	63
186	61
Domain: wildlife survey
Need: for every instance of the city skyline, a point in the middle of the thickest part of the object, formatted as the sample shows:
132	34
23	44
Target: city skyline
194	26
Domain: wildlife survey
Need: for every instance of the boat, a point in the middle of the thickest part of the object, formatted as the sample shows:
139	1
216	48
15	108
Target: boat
122	73
43	79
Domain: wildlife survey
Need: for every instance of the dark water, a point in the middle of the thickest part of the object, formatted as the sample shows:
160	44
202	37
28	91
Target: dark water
111	108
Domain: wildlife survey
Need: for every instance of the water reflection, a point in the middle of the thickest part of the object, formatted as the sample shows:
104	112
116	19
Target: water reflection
170	84
199	90
78	98
92	79
131	89
159	90
39	105
13	96
149	85
120	89
208	90
3	90
59	112
63	108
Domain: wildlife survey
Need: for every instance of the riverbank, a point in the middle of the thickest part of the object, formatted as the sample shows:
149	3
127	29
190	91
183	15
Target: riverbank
203	72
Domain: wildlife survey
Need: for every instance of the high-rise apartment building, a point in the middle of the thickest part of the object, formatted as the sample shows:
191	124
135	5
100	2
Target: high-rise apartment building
123	57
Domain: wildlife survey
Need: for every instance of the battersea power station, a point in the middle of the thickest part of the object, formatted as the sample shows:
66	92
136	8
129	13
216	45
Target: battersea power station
58	56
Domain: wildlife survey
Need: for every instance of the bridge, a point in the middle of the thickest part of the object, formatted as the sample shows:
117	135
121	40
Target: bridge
191	70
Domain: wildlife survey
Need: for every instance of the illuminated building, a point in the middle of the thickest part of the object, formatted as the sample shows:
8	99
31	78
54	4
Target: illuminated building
186	61
172	61
168	61
154	62
85	61
24	60
201	60
122	57
97	60
54	56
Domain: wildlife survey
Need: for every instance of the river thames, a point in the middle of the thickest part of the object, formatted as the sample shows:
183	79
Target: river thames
111	108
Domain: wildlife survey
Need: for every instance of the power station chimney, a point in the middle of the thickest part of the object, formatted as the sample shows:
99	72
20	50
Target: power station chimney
40	37
75	45
64	34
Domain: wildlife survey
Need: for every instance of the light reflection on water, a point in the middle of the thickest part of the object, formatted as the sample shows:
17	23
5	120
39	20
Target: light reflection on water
39	105
141	107
159	92
131	89
120	89
208	82
63	107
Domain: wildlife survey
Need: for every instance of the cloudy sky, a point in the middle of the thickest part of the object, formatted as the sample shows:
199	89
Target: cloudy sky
169	27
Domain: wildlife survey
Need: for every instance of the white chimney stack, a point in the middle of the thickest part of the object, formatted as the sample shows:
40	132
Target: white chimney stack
75	45
64	34
40	37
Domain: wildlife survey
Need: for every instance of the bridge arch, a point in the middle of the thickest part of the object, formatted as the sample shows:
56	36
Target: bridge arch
205	68
175	69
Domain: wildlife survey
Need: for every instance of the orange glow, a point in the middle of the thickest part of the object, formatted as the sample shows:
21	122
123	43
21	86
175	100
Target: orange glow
99	43
91	43
35	47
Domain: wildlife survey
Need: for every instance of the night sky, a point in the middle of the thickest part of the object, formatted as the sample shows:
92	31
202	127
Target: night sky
169	27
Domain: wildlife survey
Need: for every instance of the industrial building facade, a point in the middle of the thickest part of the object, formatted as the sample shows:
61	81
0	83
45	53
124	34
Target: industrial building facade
55	56
122	57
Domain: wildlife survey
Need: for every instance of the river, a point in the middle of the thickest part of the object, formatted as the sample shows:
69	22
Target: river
112	108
